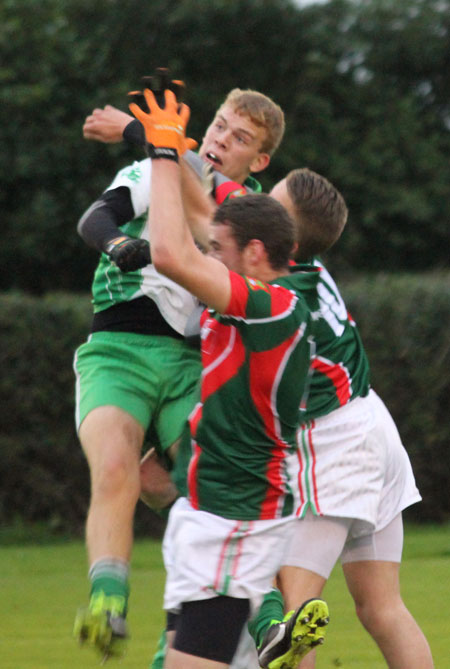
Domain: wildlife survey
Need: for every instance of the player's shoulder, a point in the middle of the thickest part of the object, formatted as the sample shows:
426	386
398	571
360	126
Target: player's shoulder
133	175
303	277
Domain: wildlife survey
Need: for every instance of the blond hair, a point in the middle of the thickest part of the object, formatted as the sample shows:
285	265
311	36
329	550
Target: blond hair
262	111
320	212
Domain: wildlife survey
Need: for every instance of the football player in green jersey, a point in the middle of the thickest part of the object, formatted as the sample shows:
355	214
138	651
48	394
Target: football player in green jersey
136	368
356	477
224	541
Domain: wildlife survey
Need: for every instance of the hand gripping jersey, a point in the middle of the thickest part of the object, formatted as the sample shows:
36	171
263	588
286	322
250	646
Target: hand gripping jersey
111	286
255	360
340	366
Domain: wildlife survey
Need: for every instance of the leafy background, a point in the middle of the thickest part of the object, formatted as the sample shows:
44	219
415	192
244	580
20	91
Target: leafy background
364	84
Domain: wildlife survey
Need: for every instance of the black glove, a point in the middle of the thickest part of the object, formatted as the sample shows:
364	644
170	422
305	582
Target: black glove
158	83
129	254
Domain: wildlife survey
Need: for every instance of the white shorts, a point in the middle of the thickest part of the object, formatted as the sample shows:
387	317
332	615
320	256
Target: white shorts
352	464
318	542
206	555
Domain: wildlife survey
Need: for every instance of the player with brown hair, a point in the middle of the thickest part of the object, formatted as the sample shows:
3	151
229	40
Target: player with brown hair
136	369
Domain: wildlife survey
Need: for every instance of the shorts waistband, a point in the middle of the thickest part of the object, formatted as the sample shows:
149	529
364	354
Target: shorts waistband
136	339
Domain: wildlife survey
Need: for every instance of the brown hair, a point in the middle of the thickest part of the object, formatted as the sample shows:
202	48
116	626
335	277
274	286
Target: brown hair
320	212
262	111
259	216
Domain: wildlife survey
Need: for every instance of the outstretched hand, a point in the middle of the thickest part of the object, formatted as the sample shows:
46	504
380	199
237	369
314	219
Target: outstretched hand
165	128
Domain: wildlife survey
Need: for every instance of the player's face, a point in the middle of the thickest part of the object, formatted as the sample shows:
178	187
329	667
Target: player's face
223	247
232	145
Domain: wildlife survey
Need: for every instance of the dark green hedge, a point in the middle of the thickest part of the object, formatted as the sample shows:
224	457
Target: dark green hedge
405	323
43	473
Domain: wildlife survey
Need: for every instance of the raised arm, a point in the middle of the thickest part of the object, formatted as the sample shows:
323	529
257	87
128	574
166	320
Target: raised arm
174	252
198	204
197	183
108	124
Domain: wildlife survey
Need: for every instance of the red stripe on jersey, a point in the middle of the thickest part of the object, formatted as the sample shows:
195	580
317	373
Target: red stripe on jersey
282	300
192	475
239	296
338	375
223	353
195	417
266	370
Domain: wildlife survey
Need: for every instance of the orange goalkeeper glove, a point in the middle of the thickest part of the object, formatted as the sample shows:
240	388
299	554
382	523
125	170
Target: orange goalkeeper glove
134	132
164	128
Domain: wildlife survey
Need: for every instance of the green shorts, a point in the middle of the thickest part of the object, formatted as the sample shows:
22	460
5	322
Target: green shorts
153	378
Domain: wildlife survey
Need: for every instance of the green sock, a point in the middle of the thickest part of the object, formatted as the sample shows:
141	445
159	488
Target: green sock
109	578
271	610
160	655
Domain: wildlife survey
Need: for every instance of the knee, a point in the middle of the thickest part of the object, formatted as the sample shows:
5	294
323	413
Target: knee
116	474
363	611
375	617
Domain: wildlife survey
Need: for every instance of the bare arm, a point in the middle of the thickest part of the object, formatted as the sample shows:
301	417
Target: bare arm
174	252
199	207
106	125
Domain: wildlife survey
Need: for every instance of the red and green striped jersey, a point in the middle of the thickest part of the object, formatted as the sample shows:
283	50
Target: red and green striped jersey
256	359
340	366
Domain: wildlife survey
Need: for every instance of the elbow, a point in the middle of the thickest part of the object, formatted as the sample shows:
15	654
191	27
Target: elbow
80	226
85	220
164	261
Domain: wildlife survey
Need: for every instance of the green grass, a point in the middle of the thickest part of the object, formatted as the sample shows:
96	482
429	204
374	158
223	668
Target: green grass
41	587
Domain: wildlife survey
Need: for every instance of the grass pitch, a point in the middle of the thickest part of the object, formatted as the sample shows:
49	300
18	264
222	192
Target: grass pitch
42	586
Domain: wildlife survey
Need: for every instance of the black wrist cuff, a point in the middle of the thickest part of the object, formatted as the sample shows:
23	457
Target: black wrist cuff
155	152
134	133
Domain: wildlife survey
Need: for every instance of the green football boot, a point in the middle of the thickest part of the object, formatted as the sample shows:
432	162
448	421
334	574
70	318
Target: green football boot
287	642
102	625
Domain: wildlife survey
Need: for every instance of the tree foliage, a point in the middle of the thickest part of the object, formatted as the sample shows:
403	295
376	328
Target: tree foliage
364	85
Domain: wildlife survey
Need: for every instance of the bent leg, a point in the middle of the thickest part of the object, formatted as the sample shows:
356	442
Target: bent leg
315	546
374	584
317	542
298	585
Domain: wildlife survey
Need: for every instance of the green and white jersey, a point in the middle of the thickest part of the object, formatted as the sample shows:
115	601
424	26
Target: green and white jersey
111	286
340	369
